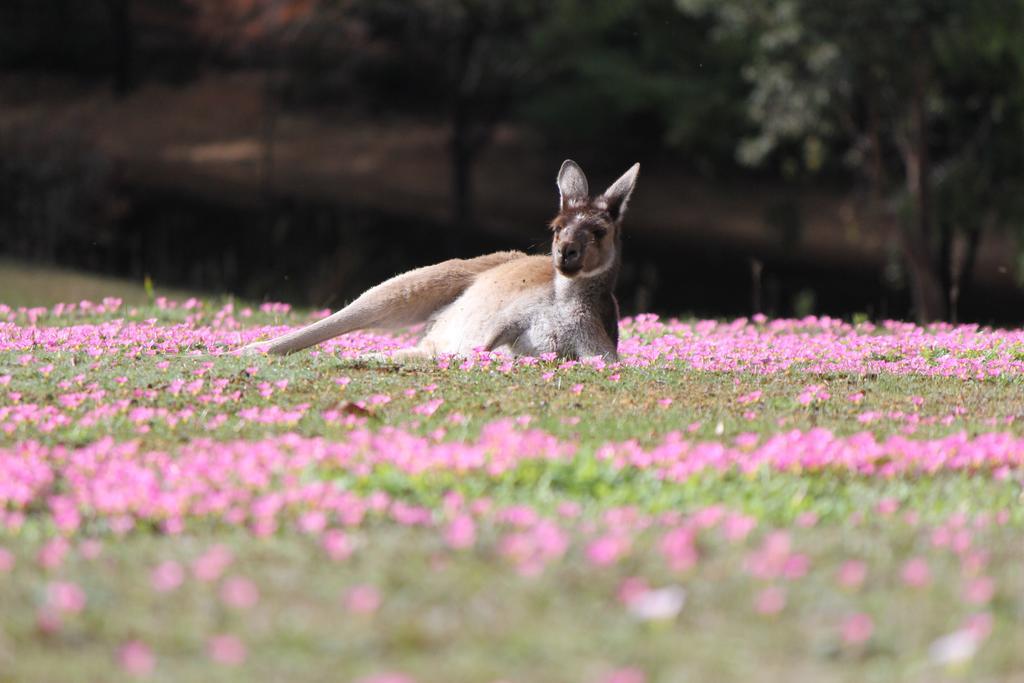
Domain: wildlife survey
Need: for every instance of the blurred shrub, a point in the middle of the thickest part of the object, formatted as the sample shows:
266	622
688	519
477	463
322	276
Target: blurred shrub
56	193
98	38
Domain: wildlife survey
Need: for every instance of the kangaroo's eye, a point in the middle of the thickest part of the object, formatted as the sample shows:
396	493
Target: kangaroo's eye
599	233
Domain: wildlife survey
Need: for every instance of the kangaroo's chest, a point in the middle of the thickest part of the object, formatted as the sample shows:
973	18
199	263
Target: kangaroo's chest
554	327
529	324
523	308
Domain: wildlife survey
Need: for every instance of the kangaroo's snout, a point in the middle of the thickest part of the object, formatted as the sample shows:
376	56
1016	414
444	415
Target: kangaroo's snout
570	259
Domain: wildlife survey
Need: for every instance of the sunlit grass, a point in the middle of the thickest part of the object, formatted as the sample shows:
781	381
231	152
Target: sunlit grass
549	570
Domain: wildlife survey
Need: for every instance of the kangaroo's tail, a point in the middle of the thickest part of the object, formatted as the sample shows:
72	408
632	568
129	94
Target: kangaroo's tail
406	299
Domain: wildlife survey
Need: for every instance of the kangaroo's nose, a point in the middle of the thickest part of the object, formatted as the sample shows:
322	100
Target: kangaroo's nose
570	255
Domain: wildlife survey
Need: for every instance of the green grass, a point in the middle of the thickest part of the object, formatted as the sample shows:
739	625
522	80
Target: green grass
461	616
24	284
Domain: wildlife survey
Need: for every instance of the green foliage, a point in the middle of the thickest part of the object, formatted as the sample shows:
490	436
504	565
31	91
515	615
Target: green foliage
580	73
921	98
421	55
828	81
622	72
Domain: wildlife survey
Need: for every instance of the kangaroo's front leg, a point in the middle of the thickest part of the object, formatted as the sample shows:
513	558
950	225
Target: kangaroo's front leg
597	345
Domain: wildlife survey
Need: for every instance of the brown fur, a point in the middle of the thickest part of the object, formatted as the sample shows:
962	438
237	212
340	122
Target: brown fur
524	273
589	229
563	302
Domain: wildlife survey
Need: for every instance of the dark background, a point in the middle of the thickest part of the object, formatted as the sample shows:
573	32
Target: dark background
798	156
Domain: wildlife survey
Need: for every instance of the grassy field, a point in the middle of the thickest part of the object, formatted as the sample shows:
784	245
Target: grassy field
24	284
754	500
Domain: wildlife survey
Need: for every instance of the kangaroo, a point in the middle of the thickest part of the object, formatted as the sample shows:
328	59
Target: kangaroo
562	303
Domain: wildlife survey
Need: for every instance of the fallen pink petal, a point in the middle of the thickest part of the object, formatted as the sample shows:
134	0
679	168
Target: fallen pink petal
227	649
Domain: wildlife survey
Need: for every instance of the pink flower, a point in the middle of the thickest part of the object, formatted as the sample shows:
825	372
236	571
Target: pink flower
239	592
887	506
627	675
226	649
167	576
461	533
747	440
48	621
771	600
387	677
631	588
795	566
752	397
136	658
607	550
973	563
313	522
979	625
337	545
429	408
852	574
53	553
807	519
569	509
363	599
916	573
979	591
211	564
90	549
737	527
6	560
677	545
857	629
65	597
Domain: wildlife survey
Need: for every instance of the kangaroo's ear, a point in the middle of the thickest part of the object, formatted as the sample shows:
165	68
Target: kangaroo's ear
572	185
617	195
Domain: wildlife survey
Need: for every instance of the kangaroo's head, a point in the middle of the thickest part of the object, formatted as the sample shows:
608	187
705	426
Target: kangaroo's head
587	229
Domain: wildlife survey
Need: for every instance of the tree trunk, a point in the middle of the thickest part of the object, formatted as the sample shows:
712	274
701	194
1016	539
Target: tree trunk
462	154
926	290
461	145
269	133
962	270
123	36
756	277
925	268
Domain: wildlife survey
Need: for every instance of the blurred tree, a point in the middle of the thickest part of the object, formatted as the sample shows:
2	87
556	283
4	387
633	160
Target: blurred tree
465	60
250	31
122	31
256	33
602	74
125	41
56	192
637	73
924	98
